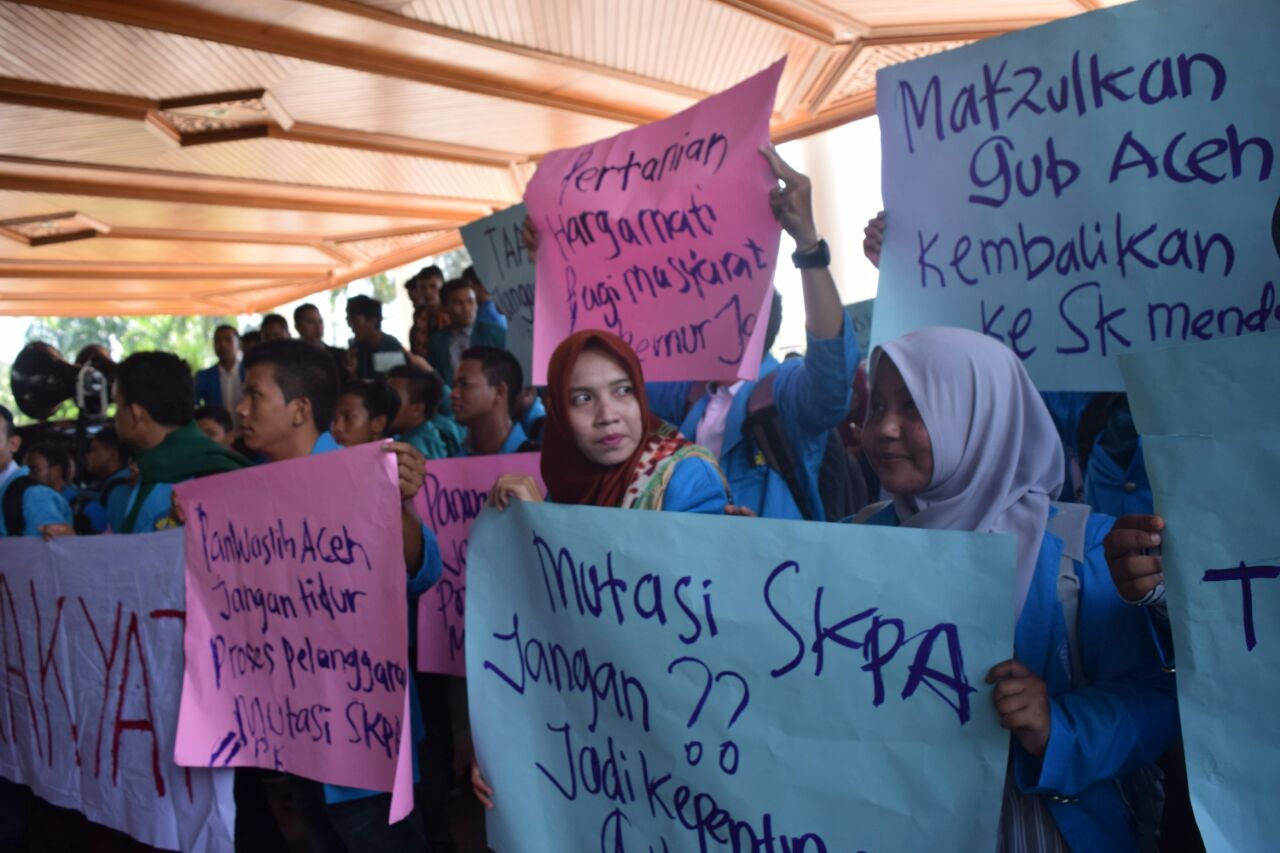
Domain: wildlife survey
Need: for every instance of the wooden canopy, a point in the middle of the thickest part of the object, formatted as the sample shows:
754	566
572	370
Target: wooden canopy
227	156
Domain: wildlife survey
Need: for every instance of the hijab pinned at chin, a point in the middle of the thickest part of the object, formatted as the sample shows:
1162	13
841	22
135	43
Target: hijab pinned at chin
997	458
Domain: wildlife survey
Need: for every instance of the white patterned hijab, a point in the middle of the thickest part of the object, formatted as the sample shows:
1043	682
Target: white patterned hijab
997	458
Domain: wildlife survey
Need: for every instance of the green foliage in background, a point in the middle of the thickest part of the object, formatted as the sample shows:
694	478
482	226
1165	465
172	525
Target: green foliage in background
192	337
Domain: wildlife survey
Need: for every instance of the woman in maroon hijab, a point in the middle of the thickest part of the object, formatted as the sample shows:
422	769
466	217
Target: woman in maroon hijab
602	446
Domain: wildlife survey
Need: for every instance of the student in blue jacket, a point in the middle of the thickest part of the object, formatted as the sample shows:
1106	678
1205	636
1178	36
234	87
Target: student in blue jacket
962	441
41	510
290	397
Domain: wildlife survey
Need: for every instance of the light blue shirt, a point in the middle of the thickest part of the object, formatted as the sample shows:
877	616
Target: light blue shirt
41	505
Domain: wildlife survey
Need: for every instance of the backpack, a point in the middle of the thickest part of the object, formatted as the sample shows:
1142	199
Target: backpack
15	520
83	524
841	486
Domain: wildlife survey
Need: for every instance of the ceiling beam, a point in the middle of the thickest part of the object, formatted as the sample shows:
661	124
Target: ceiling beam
860	106
52	176
48	96
387	143
129	232
394	19
446	242
181	19
384	232
148	270
816	22
71	99
952	30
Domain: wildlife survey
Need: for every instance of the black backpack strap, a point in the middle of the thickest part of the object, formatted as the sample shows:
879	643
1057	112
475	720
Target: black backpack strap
763	426
15	520
110	487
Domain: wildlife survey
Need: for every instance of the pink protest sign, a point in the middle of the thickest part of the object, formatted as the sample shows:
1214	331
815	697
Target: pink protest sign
453	493
663	235
297	623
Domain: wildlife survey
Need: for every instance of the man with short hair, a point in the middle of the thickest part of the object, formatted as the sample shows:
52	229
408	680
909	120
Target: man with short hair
424	287
274	328
375	349
419	421
291	394
466	330
309	324
484	390
29	508
107	462
219	385
487	310
153	397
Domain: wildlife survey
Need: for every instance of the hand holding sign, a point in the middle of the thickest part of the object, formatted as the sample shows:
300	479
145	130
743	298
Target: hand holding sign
873	239
792	203
1135	572
411	467
517	487
1022	700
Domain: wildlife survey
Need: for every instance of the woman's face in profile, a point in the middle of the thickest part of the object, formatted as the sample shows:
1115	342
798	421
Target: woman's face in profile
895	438
604	414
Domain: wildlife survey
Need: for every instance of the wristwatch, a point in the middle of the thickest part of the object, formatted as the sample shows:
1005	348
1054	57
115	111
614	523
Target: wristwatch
815	257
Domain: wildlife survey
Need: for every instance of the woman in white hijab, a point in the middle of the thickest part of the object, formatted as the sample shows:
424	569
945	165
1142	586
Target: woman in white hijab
961	440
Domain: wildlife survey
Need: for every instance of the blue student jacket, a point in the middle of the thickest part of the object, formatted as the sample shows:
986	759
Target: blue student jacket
813	396
428	573
209	387
1117	491
1123	717
536	412
515	439
112	515
695	486
156	506
488	313
41	505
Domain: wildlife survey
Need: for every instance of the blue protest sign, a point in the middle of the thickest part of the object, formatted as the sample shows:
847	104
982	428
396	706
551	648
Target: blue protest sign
1097	185
1208	416
660	681
507	272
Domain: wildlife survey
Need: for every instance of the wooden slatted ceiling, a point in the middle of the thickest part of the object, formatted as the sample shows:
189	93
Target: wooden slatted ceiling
72	50
382	124
703	45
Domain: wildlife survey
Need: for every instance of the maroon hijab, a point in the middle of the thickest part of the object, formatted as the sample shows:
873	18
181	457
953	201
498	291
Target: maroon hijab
570	476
